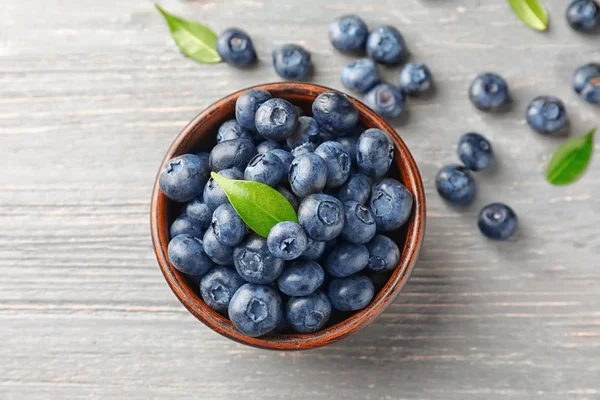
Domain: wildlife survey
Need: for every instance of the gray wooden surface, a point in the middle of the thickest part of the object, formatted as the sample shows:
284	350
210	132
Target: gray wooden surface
93	92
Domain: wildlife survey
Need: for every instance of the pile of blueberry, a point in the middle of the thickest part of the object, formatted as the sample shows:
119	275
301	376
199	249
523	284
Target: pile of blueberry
332	171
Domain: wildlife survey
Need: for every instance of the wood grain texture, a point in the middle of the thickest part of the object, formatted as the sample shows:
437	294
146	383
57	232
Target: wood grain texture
91	95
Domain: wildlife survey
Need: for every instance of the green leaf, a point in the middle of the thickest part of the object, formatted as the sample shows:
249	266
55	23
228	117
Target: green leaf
532	12
571	159
193	39
260	206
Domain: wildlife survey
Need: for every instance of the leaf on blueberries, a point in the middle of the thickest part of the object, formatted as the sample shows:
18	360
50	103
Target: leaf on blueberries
259	205
532	12
193	39
570	160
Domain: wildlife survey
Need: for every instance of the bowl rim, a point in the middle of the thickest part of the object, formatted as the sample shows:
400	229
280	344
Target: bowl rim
414	237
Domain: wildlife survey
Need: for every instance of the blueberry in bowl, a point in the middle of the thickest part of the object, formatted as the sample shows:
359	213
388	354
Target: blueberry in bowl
309	282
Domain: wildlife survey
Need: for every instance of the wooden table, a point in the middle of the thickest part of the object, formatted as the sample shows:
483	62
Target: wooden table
93	92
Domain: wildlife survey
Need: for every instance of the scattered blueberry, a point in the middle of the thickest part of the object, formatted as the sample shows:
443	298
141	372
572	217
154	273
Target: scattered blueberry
348	33
475	152
321	216
346	259
286	158
217	251
386	45
360	75
391	204
583	15
187	255
218	286
338	163
287	240
415	79
455	184
360	225
386	100
265	168
384	254
498	221
246	106
289	196
300	278
307	174
199	212
255	309
232	130
292	62
228	225
303	149
235	153
308	314
335	112
489	92
235	47
307	130
374	153
314	250
213	195
351	293
547	115
184	225
182	178
254	262
357	187
586	82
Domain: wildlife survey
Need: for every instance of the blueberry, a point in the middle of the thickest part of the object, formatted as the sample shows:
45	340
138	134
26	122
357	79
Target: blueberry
586	82
374	153
583	15
255	309
386	100
254	262
246	106
232	130
321	216
286	158
213	195
197	211
218	286
357	187
348	33
349	146
184	225
235	153
489	92
360	75
182	178
314	250
475	152
347	259
289	196
187	255
265	168
292	62
455	184
384	254
308	174
386	45
309	313
352	293
217	251
497	221
326	136
360	225
335	112
299	111
338	163
391	204
415	79
276	119
300	278
266	146
303	149
228	225
235	47
307	130
287	240
547	115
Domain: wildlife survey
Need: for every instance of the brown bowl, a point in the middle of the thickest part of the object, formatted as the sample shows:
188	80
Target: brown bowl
200	134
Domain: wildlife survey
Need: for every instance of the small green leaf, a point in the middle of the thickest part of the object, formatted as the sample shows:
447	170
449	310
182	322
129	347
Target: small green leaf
193	39
570	160
260	206
532	12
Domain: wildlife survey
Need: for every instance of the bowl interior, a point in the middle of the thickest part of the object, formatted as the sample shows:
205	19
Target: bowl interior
200	135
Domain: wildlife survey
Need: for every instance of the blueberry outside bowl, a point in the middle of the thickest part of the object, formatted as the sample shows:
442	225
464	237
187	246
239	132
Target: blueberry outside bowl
200	134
